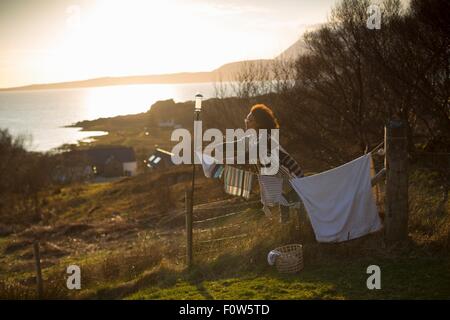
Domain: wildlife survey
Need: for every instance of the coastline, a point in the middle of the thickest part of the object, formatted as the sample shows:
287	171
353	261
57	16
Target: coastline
45	116
124	130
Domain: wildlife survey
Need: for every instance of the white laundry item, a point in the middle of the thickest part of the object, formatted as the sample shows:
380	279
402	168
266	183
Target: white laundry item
208	164
271	188
340	202
272	257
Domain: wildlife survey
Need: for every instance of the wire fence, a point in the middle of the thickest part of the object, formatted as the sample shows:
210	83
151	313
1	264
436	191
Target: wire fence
213	236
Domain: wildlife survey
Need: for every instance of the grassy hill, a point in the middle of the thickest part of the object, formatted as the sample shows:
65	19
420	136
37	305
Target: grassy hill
128	238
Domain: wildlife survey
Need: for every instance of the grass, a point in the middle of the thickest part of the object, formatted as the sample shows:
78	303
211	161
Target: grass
430	218
416	278
132	261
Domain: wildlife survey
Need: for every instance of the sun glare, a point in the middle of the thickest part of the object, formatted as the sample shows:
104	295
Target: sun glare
111	101
122	38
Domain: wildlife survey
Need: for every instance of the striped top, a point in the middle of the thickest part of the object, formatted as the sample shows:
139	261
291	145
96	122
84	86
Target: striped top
288	166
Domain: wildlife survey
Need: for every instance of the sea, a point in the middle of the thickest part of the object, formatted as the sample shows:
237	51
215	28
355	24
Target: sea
41	116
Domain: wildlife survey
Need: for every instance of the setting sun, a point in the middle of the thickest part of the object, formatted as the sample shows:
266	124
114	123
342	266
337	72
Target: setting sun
116	38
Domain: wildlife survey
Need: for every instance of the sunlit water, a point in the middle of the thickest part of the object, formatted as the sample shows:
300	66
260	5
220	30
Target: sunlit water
42	115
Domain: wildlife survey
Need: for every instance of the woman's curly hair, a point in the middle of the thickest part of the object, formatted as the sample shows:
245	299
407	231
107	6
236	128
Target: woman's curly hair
264	117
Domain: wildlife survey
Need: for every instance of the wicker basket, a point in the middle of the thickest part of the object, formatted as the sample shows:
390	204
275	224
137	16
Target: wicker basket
290	259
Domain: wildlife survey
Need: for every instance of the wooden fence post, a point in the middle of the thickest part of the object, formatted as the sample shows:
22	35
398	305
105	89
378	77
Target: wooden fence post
396	198
37	258
188	201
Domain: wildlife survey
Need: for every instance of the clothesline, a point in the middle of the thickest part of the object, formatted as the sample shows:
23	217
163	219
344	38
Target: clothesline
377	147
256	174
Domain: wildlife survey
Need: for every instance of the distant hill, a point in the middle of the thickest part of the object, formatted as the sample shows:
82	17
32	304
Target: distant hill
223	73
299	47
296	49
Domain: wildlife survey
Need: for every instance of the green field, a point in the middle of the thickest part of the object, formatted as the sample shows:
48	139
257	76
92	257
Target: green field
414	278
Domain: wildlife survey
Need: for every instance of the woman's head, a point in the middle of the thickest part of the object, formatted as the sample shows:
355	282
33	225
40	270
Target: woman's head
261	117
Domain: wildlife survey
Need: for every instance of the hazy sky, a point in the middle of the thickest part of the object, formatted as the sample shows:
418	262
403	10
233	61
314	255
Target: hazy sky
45	41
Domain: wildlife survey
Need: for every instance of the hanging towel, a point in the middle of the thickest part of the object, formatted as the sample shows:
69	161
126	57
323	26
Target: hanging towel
340	202
218	171
271	188
247	184
237	182
233	181
211	167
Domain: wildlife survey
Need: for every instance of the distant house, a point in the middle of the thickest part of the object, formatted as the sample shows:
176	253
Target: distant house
112	161
168	124
160	159
81	165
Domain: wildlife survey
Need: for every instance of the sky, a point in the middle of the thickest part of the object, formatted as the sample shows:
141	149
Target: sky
44	41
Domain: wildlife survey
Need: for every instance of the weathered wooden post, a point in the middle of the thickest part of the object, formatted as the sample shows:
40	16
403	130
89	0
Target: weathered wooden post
190	195
396	198
188	199
37	259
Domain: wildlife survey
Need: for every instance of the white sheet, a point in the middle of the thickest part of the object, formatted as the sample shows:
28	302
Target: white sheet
339	202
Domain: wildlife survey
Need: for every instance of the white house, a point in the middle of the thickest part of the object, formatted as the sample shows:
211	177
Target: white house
130	167
168	124
113	161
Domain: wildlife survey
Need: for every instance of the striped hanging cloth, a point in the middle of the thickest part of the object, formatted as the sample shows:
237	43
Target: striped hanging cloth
211	167
247	185
237	182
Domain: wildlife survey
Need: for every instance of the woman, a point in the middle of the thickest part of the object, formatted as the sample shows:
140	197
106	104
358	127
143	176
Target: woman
262	117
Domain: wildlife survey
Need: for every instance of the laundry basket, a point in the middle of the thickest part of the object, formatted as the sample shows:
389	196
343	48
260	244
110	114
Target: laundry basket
290	259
